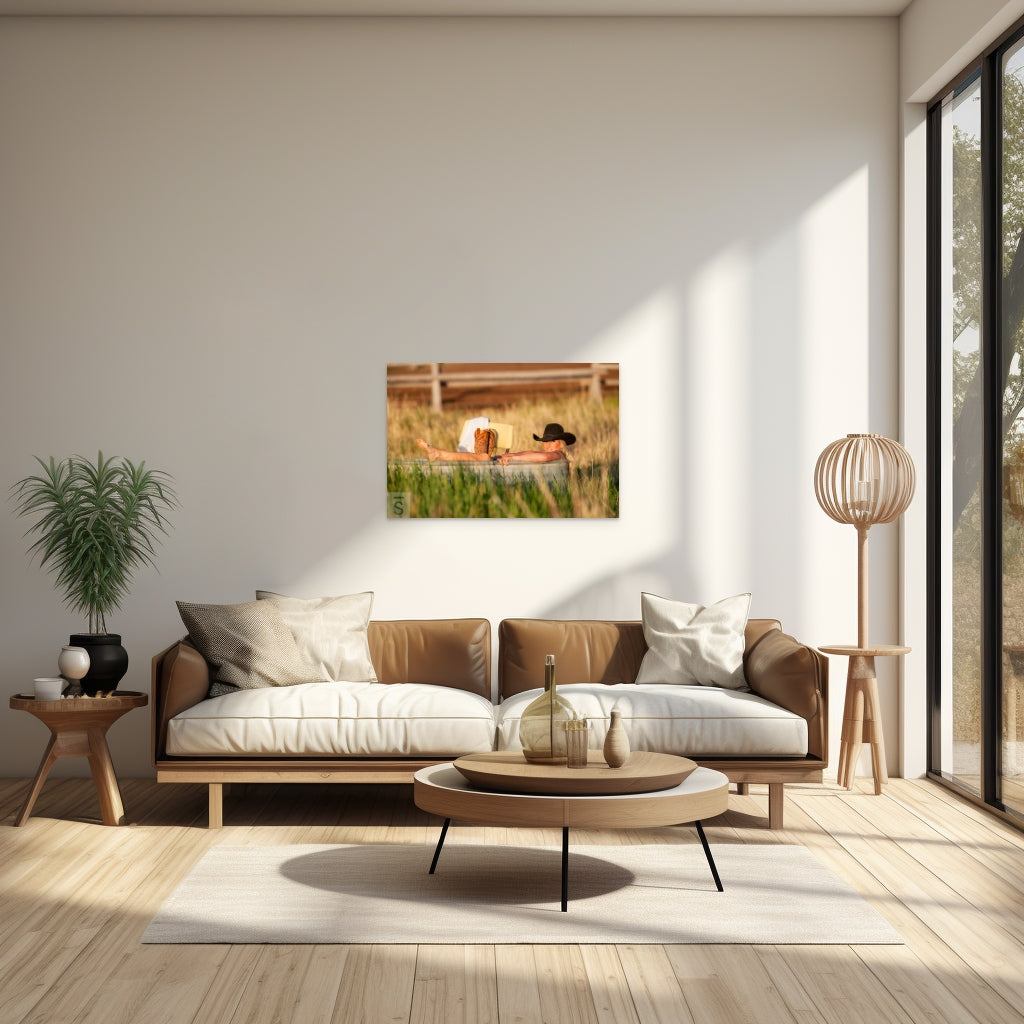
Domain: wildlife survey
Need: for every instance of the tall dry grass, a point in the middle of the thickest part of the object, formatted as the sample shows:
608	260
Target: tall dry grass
593	459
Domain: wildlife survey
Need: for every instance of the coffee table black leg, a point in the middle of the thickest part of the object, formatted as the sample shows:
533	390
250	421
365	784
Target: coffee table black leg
707	853
440	843
565	868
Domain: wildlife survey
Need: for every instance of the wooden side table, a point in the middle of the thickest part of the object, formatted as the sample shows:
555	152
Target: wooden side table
862	713
78	728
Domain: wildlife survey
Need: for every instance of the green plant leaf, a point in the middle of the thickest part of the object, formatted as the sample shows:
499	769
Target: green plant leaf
94	524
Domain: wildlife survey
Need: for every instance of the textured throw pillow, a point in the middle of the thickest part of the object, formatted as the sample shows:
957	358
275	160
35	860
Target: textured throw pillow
688	643
249	645
330	632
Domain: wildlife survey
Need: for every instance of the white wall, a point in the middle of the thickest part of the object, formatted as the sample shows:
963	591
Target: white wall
216	233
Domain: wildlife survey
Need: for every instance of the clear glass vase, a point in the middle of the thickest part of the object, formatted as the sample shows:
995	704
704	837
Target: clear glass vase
542	726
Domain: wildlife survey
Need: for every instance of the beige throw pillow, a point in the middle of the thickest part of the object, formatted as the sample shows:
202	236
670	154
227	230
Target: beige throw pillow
249	645
694	644
331	632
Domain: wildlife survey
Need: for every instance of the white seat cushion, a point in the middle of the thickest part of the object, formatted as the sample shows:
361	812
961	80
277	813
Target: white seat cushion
339	719
692	721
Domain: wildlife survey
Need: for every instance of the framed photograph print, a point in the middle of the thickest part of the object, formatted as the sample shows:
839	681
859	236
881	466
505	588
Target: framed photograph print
503	440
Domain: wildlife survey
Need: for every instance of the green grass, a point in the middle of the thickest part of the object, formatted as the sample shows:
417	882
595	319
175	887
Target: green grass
592	492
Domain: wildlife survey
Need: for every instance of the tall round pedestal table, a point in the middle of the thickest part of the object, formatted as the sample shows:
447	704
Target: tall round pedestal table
862	713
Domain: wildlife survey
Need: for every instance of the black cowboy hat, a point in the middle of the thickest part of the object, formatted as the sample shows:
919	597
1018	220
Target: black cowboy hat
554	432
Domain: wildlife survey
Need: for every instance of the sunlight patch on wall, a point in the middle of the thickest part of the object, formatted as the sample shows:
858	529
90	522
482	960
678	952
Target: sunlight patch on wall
834	339
717	409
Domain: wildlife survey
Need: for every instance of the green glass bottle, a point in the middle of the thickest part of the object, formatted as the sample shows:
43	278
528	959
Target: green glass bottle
542	726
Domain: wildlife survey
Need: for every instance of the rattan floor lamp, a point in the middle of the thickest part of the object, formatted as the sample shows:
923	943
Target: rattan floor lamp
863	480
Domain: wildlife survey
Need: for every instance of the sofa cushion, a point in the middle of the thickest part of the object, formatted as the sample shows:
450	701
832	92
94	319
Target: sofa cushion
330	631
357	719
693	644
692	721
249	645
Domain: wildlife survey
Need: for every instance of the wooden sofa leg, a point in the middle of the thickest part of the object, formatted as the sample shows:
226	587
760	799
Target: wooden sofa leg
775	804
216	819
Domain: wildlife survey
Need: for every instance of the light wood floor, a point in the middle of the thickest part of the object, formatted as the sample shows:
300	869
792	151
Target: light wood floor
75	897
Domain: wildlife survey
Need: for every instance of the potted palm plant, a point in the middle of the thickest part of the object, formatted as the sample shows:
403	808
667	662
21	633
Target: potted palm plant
96	523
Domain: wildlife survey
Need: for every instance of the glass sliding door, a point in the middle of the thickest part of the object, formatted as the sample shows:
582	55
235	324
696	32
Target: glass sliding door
976	430
961	418
1010	750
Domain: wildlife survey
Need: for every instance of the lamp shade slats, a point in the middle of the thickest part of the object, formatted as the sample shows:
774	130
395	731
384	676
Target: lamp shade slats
863	479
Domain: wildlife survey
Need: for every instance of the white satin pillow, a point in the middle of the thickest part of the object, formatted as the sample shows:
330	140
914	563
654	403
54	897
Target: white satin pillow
693	644
330	632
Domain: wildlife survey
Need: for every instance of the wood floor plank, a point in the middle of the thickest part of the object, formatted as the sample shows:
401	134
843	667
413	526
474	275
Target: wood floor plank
799	1002
377	985
148	985
841	987
653	988
962	815
275	986
518	985
921	995
564	991
234	976
455	985
609	986
727	985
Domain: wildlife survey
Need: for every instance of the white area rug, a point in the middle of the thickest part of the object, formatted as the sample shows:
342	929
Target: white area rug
511	894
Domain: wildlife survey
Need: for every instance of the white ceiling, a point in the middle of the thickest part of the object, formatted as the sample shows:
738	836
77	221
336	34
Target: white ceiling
553	8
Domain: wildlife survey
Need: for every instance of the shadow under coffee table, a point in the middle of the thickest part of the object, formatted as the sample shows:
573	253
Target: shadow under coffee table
443	790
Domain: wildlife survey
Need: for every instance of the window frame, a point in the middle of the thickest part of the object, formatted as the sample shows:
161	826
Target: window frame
990	345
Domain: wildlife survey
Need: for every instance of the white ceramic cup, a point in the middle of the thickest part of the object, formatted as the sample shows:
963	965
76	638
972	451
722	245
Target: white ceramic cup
49	688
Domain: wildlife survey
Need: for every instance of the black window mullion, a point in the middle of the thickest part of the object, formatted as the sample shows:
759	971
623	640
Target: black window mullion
992	431
935	412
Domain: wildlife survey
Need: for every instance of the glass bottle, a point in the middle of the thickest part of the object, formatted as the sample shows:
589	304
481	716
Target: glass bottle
542	726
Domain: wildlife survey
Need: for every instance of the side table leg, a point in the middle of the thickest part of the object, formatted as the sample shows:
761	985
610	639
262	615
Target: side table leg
861	669
111	808
707	853
440	843
49	758
873	733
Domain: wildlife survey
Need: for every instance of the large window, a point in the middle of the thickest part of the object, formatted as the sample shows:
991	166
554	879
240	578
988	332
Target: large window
976	246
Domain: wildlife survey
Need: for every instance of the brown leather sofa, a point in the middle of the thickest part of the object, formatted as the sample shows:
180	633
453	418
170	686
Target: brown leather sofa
443	652
457	653
778	668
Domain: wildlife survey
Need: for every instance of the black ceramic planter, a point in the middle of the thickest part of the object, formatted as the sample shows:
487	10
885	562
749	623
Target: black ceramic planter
108	661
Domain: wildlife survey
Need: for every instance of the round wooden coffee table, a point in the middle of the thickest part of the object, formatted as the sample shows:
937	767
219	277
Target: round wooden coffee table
78	728
441	789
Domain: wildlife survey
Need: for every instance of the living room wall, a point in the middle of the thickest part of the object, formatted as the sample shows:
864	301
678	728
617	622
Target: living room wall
217	232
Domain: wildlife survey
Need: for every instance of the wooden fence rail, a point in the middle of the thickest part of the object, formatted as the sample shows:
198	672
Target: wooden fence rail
593	375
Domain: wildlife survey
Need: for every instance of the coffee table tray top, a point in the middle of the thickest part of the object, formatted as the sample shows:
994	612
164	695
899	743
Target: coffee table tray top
508	771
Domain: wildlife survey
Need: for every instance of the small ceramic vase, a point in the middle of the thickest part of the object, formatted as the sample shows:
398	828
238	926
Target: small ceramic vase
616	743
73	663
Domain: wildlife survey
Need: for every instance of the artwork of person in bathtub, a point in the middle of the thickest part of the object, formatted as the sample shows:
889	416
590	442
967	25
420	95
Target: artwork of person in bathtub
554	444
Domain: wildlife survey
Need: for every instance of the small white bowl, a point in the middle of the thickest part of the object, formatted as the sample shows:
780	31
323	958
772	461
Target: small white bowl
50	688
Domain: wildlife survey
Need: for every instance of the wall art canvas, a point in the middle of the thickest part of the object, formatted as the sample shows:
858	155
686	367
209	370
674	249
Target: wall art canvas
503	440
